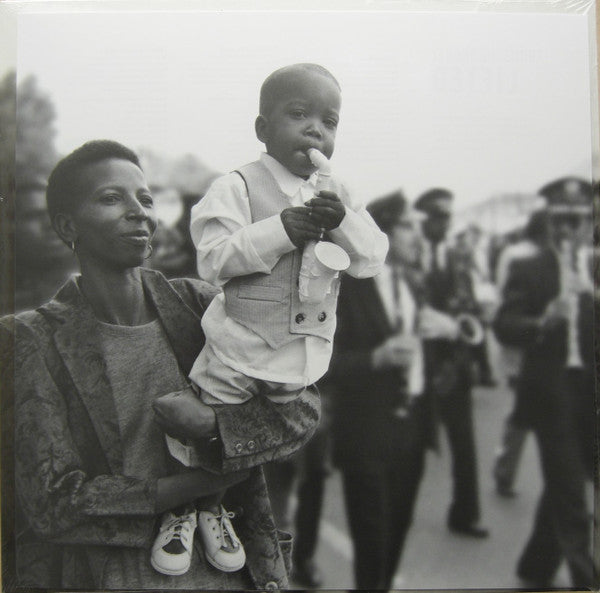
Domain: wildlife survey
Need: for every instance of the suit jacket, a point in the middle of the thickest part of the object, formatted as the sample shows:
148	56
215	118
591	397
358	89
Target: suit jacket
364	399
449	290
542	394
68	456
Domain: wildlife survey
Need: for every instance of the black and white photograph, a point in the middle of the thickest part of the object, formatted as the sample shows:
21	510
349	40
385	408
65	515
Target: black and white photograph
375	220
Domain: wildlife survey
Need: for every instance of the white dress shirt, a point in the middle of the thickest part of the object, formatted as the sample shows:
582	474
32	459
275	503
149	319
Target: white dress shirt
384	282
229	244
427	254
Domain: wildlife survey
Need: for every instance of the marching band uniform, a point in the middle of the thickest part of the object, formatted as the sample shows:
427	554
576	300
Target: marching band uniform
554	388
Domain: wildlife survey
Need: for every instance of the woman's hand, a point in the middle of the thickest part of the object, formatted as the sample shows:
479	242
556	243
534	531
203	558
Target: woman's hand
182	415
184	488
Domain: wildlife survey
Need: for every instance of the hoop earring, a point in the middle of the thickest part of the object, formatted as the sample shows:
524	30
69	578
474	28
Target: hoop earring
149	252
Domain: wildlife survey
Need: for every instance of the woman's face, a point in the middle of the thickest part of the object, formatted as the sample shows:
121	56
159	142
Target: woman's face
114	219
404	244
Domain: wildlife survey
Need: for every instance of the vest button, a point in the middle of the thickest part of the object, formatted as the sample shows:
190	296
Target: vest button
300	317
322	316
239	447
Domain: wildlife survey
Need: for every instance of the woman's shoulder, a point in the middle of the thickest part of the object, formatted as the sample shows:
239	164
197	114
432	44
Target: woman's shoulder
196	294
194	289
23	334
40	323
33	321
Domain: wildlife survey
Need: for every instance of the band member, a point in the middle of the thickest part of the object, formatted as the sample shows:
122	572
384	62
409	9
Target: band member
380	418
547	312
450	379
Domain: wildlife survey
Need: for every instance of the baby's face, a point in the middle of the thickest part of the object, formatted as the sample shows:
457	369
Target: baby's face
305	116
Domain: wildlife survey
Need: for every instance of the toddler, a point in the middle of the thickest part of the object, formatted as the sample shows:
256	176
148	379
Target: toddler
249	231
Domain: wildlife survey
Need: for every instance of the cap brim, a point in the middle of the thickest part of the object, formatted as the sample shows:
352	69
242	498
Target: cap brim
577	209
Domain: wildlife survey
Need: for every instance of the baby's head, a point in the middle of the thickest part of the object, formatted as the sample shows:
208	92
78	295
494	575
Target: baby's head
299	109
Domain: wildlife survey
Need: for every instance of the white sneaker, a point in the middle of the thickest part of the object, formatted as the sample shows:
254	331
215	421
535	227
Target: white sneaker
222	546
172	548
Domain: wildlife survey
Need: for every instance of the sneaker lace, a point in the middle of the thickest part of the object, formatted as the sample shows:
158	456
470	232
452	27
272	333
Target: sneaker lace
178	527
226	537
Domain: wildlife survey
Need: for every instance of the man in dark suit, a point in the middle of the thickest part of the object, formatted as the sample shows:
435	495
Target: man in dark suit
381	422
449	289
547	312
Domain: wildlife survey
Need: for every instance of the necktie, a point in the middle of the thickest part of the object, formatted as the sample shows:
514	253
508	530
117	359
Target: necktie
435	263
401	409
398	317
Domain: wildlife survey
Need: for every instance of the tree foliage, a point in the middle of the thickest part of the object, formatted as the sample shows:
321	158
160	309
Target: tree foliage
8	129
36	154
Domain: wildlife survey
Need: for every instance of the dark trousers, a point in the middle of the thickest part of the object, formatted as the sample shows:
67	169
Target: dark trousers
481	358
582	389
380	503
565	437
305	473
509	453
456	411
562	524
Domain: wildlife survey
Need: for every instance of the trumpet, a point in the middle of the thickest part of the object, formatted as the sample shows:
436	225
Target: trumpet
461	307
470	329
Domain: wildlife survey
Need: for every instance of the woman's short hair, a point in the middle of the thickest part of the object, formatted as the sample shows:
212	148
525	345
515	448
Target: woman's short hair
61	192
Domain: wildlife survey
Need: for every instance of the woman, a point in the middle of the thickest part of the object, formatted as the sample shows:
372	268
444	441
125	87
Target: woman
91	466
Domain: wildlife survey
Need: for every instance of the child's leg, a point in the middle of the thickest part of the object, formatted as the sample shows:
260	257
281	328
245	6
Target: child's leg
214	383
222	547
218	382
211	503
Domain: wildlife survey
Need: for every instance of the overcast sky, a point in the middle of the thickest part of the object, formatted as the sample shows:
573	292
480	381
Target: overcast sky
481	103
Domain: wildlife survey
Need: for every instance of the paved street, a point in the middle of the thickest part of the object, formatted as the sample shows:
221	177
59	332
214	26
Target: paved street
434	558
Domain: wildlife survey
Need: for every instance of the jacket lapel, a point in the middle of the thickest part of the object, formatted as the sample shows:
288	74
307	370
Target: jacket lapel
76	340
182	326
374	307
77	343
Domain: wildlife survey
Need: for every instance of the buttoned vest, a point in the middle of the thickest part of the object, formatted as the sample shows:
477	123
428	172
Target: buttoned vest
269	304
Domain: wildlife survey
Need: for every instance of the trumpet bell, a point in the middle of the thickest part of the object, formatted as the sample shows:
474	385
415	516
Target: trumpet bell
470	329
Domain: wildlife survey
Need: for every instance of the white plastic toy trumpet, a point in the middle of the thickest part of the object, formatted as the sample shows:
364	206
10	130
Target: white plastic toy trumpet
321	261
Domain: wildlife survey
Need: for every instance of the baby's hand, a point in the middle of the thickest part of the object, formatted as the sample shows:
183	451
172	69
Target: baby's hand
300	225
327	210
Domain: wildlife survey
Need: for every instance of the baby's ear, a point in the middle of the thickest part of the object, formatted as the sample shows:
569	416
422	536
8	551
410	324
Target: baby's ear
260	126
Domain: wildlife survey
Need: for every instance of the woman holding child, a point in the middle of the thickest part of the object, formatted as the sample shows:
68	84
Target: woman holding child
92	472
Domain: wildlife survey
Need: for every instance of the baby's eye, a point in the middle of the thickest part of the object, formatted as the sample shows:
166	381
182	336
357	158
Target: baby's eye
297	113
147	201
110	198
331	123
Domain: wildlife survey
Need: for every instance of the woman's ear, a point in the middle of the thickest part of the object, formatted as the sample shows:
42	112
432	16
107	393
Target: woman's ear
260	126
64	226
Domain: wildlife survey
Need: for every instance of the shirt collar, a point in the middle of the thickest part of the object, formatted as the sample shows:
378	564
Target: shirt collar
289	183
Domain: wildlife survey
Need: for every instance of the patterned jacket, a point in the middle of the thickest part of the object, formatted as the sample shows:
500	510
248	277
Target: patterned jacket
68	456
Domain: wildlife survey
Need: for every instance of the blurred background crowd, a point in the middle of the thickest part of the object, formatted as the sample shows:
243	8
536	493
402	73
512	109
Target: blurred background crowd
307	490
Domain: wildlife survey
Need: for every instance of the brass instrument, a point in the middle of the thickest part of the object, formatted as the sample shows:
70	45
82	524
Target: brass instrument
460	303
464	308
470	329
